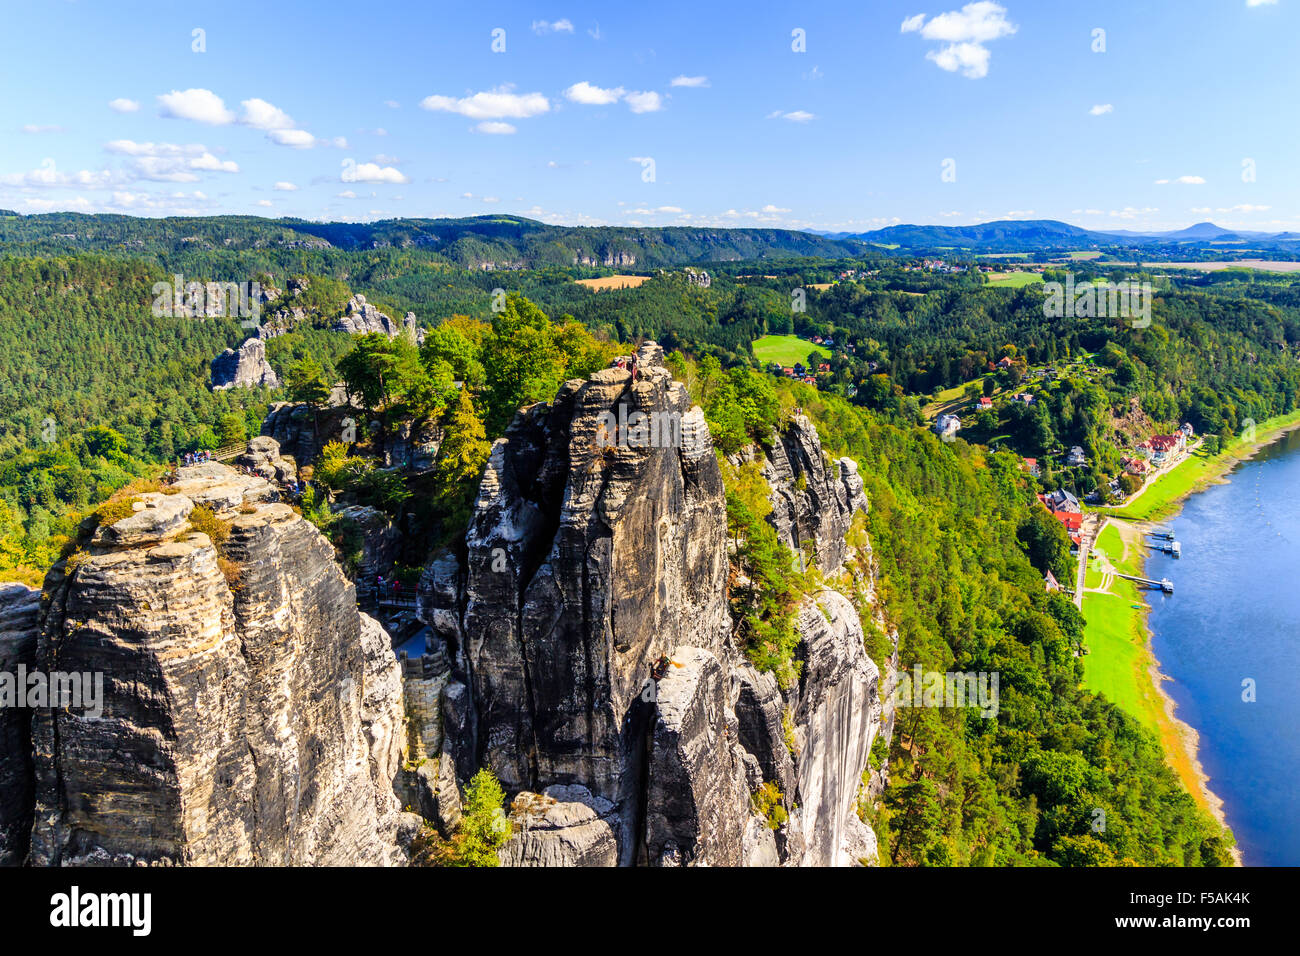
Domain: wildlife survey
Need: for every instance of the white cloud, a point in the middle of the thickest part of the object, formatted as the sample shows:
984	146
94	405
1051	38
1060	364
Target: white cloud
264	202
769	208
495	128
690	81
32	128
212	164
1182	181
347	194
285	187
585	93
963	33
648	102
392	104
48	175
1260	3
123	105
169	162
794	116
970	58
294	138
541	27
199	105
354	172
260	114
499	103
1101	109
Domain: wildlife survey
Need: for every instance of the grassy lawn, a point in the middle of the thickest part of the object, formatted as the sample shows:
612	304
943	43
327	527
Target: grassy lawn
1014	280
785	349
1117	659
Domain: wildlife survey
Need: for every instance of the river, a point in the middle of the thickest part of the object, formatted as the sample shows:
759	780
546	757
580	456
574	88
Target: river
1235	618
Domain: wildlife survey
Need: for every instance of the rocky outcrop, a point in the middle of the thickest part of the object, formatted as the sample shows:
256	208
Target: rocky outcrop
836	718
245	367
697	799
377	542
813	499
301	431
251	714
564	826
19	612
588	634
360	318
262	456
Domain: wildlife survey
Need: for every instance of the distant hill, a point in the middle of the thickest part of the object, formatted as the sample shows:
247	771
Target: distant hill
1031	235
481	242
514	242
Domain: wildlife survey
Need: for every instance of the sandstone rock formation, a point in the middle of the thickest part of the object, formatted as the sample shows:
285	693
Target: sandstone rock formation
245	367
813	498
587	626
19	611
360	318
251	716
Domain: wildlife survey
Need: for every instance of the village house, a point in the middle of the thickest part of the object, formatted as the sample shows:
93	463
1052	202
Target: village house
1060	501
1076	458
1031	466
946	426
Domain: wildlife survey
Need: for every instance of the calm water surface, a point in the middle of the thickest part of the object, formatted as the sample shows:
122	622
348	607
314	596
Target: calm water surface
1235	615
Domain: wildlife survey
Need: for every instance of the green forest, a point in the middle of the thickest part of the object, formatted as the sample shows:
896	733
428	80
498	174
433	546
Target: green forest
97	392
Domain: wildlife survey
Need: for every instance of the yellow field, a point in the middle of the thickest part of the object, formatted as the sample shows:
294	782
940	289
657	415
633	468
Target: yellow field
613	282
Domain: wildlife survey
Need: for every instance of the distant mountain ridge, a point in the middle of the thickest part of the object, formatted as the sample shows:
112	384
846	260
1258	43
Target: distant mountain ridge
514	242
1024	235
482	242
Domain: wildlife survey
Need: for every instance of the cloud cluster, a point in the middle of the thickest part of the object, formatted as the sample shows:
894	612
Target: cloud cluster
588	94
204	106
963	34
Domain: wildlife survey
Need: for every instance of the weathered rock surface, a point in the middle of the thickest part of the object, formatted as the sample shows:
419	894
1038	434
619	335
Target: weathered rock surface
262	455
251	716
588	635
361	318
245	367
697	800
836	716
564	826
813	499
19	613
302	432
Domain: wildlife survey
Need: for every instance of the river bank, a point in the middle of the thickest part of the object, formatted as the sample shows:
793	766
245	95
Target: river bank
1122	663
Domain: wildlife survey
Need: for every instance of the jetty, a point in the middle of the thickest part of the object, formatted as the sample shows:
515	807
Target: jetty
1164	584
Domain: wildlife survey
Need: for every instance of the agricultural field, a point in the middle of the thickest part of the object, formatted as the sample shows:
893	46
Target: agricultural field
785	349
1014	280
613	282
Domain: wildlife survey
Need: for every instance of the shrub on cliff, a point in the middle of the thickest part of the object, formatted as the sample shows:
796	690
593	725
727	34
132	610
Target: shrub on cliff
483	828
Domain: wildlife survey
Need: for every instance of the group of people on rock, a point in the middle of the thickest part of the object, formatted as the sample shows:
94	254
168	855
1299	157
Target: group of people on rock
197	457
624	362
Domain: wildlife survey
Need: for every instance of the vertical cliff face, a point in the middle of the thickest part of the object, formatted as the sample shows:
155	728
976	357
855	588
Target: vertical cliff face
251	715
813	499
594	670
19	612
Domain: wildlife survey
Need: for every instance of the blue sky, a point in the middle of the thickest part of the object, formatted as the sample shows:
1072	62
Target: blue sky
328	110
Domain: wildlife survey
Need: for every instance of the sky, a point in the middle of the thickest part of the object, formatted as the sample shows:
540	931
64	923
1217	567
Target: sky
817	115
